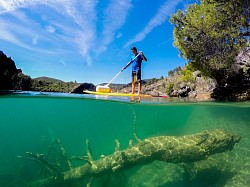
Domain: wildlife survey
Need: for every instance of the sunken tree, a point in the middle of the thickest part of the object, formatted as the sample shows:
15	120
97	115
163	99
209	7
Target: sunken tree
57	168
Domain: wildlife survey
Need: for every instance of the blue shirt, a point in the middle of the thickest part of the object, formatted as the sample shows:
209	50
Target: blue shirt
136	64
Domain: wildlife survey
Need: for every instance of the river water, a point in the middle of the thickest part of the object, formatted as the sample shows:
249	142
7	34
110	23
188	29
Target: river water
31	122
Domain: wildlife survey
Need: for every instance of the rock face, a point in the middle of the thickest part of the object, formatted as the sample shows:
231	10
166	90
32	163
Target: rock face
203	87
243	59
200	88
182	92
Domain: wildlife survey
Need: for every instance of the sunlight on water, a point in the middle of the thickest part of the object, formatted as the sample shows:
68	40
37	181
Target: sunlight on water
30	123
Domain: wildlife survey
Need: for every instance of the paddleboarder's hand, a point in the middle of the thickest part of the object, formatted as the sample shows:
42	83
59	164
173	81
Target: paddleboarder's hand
141	53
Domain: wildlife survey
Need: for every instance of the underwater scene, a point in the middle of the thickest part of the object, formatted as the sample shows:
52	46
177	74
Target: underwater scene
49	139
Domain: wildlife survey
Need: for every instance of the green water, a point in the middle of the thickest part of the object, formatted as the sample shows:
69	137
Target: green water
30	123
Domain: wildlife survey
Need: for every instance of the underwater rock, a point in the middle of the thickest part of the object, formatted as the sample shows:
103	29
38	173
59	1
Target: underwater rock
158	174
173	149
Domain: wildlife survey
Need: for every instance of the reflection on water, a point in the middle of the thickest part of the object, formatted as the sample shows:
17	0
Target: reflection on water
31	122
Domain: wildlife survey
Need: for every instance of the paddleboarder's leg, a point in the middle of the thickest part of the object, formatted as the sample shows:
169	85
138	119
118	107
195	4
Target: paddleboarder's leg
138	76
134	76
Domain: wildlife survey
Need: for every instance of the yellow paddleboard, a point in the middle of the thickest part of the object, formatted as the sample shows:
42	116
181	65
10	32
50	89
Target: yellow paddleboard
115	94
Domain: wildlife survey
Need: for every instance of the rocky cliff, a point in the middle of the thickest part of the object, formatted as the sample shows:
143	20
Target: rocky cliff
7	72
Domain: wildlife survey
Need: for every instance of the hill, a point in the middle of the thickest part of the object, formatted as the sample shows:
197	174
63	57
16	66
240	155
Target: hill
48	79
47	84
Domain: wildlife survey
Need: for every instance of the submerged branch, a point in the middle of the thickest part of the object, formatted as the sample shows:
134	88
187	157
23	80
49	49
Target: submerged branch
173	149
42	161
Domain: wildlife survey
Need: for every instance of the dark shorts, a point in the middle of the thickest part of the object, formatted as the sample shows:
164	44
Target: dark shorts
136	76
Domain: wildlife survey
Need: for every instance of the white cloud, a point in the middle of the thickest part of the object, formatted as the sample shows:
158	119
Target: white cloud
20	34
11	5
160	17
53	23
114	18
50	29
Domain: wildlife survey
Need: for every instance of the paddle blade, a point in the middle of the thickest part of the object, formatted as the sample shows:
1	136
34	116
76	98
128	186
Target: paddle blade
103	89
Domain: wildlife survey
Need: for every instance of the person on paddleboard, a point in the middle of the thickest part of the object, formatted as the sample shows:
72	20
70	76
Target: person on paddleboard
136	62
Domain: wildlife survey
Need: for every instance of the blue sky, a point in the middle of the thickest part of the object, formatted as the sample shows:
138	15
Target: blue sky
89	40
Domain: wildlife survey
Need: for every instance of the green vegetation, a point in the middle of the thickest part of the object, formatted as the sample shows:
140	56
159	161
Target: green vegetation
169	88
180	77
176	70
21	82
53	85
152	81
187	73
48	79
211	34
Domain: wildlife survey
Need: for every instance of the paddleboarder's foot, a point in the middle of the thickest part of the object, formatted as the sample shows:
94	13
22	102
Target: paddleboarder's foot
132	93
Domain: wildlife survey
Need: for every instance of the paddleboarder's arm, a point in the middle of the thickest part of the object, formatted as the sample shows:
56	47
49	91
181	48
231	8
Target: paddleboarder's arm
143	56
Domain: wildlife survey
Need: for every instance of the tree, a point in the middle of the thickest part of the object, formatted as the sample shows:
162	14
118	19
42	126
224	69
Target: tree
170	73
210	35
21	82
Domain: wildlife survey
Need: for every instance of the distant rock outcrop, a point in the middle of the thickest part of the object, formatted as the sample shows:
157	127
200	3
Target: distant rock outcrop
84	86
